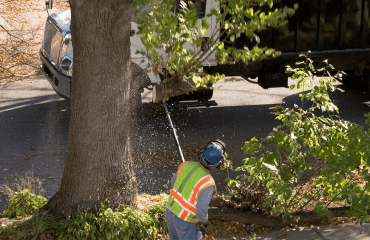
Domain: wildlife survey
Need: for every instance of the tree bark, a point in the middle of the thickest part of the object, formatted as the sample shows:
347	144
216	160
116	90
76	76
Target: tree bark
98	165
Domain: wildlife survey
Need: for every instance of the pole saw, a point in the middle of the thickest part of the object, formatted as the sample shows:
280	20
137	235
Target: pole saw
174	131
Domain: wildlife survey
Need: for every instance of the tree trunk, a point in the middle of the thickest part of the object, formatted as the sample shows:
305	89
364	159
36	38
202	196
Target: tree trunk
98	165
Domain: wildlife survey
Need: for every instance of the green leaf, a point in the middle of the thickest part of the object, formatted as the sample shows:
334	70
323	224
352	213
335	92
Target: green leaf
205	25
203	31
271	4
198	42
269	51
232	38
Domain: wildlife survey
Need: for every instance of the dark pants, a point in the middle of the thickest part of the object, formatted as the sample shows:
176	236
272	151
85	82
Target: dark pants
179	229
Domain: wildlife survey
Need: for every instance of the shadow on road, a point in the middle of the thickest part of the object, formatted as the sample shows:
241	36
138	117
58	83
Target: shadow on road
34	135
234	125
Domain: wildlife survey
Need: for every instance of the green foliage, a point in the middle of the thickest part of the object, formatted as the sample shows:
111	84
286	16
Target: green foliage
120	223
107	223
23	203
10	231
156	211
176	43
39	223
25	199
341	148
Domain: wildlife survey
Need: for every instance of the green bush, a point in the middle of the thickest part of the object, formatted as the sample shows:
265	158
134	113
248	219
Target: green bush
156	211
107	223
119	223
338	149
23	203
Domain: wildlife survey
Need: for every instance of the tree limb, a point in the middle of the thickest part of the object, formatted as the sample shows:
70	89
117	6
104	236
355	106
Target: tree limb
8	32
241	216
11	54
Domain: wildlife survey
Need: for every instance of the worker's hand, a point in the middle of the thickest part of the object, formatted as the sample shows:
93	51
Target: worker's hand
203	229
204	225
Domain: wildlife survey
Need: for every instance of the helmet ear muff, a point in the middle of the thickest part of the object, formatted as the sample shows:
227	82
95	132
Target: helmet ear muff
219	163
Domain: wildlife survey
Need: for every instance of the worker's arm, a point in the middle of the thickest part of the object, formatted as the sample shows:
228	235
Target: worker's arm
204	199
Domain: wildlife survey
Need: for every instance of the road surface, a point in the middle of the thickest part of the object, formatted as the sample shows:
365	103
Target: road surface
34	130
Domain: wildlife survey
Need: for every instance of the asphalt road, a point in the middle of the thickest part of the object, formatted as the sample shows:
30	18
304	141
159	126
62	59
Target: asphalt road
34	129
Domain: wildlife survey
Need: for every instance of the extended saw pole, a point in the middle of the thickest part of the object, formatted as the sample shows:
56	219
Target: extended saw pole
174	131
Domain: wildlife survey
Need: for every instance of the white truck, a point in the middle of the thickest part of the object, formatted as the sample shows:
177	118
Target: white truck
56	55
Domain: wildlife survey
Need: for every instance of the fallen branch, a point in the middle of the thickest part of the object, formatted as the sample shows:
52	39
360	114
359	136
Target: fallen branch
242	216
15	57
4	2
18	75
27	75
8	32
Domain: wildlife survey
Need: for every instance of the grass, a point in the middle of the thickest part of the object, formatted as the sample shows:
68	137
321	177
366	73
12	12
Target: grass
22	182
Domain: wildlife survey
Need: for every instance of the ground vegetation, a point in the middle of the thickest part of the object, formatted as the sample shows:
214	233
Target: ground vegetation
275	187
313	162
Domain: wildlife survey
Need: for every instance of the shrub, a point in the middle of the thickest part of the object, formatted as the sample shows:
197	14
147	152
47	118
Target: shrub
107	223
156	211
338	149
23	203
119	223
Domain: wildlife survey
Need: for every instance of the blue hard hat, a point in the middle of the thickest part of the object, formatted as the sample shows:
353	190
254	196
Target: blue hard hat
213	153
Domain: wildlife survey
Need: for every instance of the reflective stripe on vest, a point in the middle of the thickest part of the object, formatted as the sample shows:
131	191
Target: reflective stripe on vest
179	199
201	184
191	179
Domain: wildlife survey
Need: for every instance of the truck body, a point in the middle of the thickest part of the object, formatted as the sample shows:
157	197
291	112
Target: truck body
336	30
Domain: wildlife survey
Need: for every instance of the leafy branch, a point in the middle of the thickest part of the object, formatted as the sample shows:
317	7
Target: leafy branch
180	44
340	148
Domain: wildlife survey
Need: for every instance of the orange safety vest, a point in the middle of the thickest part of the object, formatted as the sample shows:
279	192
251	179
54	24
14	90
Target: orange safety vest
191	179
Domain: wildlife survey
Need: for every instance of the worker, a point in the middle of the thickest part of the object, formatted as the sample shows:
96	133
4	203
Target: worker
192	188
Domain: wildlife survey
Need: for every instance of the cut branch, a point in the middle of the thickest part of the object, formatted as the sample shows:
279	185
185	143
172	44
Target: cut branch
229	214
